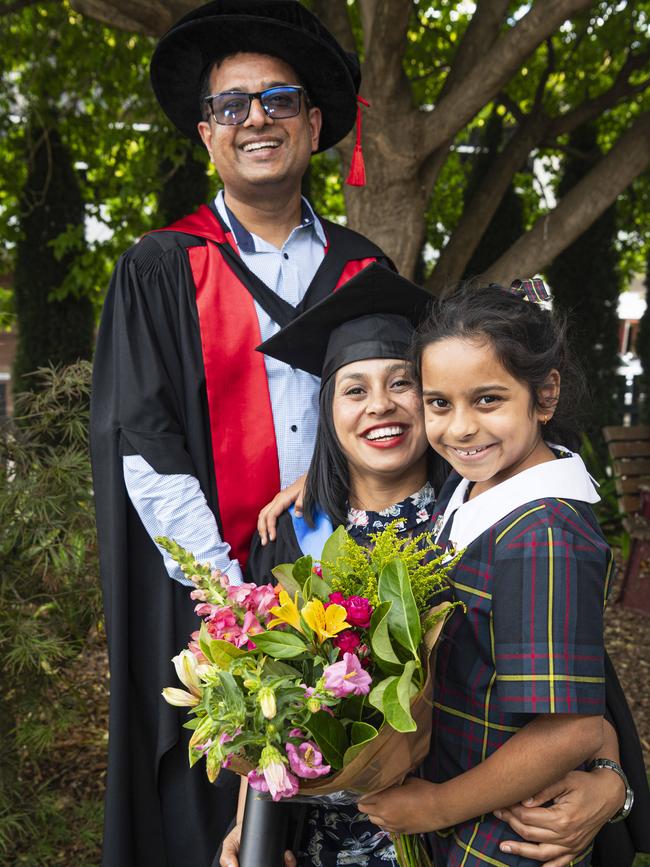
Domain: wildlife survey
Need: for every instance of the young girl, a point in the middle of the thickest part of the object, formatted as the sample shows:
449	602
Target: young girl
520	676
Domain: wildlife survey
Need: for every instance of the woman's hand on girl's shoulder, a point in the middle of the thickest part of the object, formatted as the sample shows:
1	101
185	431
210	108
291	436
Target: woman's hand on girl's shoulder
268	517
581	804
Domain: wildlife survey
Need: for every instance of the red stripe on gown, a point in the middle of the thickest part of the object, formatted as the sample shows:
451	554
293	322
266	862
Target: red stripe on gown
351	269
244	446
241	419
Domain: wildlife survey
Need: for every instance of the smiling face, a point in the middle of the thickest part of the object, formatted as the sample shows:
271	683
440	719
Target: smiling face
478	416
377	414
262	151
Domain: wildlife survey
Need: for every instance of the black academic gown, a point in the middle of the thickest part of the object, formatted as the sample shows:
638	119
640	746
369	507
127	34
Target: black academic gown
149	398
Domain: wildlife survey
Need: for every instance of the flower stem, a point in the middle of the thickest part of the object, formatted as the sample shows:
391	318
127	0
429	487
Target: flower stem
410	851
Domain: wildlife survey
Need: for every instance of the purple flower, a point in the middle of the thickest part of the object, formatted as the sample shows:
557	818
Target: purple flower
347	677
306	760
257	781
279	782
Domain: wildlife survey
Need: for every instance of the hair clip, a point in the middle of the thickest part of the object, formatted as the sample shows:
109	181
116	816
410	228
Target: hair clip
530	290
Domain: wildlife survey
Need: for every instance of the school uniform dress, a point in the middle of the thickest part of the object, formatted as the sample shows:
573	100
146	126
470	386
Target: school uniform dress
338	835
534	577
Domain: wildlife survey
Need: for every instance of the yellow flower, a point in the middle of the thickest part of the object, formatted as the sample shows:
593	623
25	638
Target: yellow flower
286	612
326	622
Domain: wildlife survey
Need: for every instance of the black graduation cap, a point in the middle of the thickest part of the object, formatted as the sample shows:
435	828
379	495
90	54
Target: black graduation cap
282	28
373	315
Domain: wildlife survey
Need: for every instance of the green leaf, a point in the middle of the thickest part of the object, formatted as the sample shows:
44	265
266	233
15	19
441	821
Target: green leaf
220	652
352	707
330	736
284	576
397	700
302	569
232	694
360	734
380	642
276	668
376	697
306	589
320	588
403	617
332	550
280	645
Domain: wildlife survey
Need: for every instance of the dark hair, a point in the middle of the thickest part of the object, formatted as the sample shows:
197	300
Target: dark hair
528	340
328	478
205	89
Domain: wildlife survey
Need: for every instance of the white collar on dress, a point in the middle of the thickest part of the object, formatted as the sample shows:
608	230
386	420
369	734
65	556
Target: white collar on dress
565	478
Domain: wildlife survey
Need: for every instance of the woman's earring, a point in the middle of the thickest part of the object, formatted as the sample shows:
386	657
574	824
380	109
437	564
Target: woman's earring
545	419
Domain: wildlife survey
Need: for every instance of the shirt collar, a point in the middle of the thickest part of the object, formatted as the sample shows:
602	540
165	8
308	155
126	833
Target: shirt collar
246	240
565	478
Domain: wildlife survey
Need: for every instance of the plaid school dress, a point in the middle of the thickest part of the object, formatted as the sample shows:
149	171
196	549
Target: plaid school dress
534	581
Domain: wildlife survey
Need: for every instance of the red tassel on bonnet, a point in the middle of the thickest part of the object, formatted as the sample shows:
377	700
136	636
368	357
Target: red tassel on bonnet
357	174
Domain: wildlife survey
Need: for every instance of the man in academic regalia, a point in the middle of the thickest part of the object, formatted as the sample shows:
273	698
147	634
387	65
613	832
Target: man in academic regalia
192	430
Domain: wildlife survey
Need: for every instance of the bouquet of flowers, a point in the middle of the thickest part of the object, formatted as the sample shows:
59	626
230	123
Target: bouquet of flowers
321	683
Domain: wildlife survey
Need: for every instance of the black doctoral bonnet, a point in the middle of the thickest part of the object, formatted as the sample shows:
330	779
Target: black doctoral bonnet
281	28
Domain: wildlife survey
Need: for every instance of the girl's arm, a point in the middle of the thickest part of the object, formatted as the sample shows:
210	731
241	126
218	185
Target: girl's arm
547	747
582	804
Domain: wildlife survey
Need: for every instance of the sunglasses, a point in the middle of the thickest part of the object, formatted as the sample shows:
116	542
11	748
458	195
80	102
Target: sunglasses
232	107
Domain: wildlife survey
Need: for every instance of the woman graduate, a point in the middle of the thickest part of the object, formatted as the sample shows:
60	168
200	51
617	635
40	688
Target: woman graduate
371	466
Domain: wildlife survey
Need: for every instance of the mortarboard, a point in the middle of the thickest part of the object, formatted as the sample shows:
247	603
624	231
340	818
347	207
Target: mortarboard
373	315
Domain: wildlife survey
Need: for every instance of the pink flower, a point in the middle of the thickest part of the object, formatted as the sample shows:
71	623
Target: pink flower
250	626
257	781
201	595
347	677
279	782
347	641
262	599
206	609
240	593
317	570
337	599
306	760
359	611
221	577
363	653
195	647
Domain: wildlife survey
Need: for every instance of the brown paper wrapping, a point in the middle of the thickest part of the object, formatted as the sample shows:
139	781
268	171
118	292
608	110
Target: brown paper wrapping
389	757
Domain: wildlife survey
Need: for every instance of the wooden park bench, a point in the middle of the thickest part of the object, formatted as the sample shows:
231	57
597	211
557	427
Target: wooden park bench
629	449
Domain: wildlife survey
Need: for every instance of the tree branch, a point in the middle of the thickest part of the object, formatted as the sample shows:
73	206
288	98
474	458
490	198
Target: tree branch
484	203
592	108
488	76
580	207
385	49
150	17
482	31
334	15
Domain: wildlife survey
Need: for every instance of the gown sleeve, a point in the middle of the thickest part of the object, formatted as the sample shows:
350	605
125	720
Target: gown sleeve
263	558
145	355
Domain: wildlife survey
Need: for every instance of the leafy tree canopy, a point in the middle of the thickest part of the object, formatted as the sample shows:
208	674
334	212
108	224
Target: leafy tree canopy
435	73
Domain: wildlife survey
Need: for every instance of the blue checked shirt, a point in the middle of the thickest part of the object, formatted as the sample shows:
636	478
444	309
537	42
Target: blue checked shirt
174	505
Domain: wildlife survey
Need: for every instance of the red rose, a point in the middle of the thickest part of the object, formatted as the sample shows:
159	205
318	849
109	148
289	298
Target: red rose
347	641
359	611
337	599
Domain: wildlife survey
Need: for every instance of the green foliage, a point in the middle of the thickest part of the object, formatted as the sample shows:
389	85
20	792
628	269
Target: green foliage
49	601
356	571
607	510
506	225
55	326
586	284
